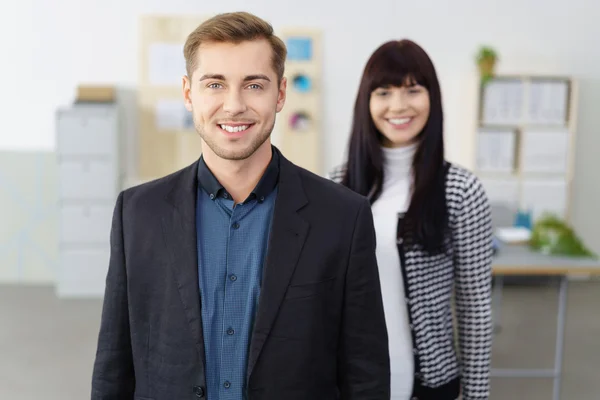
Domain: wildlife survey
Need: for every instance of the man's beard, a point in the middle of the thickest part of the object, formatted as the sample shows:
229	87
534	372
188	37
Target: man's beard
234	155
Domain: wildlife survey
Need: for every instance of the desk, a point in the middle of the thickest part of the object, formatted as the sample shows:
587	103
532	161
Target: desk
514	260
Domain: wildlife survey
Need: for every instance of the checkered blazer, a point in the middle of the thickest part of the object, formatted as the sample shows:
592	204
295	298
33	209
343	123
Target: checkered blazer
430	281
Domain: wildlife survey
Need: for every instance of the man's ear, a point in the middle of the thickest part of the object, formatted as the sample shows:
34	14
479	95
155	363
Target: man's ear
187	89
282	94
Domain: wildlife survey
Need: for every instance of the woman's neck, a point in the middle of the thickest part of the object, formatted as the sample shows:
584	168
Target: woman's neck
398	160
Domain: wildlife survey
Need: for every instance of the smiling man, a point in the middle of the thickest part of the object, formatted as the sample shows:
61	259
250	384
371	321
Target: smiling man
241	276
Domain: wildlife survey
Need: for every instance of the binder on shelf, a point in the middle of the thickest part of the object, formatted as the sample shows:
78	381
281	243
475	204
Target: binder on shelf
545	151
525	141
496	150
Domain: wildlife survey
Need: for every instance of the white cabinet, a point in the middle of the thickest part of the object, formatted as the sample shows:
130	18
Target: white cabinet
88	151
92	179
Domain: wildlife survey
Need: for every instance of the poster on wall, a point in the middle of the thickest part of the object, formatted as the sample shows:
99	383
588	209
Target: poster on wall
166	64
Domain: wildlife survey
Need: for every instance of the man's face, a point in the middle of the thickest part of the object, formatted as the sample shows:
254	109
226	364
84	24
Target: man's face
234	95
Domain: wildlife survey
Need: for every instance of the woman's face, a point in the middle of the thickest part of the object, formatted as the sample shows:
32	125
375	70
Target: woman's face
400	113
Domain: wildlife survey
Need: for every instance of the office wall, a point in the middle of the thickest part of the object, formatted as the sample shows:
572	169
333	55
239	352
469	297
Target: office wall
28	217
53	46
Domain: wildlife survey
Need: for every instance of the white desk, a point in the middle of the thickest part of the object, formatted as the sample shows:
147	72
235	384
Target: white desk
514	260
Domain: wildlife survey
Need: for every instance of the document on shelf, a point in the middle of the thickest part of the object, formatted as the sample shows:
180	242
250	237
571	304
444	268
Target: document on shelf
548	102
496	150
503	102
545	151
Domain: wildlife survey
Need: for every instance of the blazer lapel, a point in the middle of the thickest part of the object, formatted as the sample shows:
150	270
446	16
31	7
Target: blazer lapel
179	230
288	233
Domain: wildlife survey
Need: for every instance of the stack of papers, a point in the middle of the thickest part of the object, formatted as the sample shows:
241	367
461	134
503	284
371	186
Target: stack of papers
513	234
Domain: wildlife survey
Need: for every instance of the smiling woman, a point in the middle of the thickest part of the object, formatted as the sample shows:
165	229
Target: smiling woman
400	112
433	228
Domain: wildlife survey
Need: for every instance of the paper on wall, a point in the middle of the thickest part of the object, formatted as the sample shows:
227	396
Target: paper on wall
166	64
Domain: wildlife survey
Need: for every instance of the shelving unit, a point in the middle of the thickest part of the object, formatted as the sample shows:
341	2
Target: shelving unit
90	176
525	141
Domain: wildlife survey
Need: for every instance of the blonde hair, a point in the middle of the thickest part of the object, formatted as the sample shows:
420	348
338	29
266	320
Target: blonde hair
234	27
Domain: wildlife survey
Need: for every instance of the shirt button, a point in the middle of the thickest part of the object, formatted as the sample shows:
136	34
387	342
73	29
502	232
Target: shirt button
235	225
262	198
212	196
225	195
227	385
230	331
199	391
415	351
233	278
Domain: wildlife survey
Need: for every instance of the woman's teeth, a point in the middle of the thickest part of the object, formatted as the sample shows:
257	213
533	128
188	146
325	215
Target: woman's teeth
399	121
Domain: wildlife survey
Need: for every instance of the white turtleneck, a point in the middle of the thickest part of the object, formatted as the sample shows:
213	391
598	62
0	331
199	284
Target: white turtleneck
394	199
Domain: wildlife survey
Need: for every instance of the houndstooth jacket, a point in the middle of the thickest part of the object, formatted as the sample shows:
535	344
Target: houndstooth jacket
430	282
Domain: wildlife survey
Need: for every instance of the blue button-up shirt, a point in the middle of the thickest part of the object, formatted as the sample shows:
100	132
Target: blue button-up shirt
232	245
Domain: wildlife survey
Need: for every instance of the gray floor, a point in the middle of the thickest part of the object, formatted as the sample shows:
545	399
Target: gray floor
47	345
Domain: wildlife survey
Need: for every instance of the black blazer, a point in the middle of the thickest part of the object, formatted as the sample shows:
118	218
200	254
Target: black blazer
320	331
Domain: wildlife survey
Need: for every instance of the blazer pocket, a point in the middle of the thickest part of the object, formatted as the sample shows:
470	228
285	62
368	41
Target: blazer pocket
307	290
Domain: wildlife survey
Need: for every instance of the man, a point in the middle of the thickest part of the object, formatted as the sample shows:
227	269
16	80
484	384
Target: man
241	276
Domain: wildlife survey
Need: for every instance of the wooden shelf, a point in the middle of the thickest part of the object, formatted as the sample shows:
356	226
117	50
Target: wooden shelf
521	98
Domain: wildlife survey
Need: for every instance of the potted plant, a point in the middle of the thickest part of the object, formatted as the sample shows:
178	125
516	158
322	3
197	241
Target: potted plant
486	60
552	235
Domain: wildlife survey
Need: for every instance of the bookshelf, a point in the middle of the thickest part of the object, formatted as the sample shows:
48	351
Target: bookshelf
525	141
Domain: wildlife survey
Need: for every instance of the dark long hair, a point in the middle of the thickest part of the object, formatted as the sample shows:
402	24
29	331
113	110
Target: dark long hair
398	63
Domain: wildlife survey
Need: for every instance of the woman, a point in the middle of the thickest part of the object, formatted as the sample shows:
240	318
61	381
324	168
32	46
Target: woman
433	225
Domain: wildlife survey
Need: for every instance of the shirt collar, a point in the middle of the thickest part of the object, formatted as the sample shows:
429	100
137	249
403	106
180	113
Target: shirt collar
267	183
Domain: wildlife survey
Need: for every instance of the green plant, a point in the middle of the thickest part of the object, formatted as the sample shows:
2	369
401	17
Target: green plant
551	235
486	60
486	53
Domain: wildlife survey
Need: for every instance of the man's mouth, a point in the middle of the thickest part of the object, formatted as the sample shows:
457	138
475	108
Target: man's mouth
235	128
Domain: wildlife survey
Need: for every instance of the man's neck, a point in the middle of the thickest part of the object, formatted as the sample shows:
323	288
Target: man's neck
239	177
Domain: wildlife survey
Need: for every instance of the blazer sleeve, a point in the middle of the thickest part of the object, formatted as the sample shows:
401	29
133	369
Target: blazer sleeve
113	374
364	368
473	258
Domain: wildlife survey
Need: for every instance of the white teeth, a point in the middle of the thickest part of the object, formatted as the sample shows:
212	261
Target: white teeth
399	121
232	129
